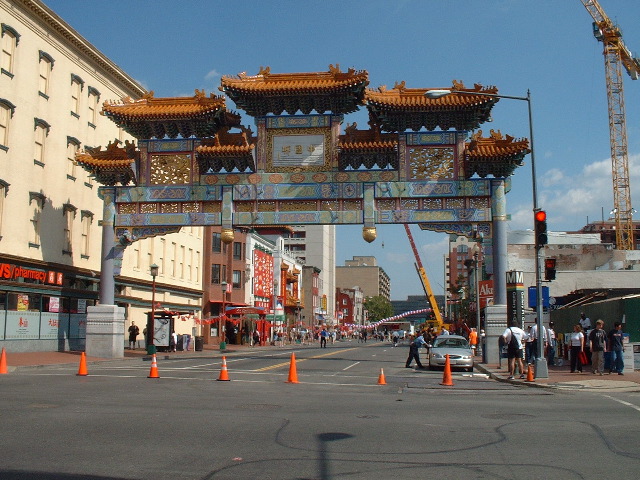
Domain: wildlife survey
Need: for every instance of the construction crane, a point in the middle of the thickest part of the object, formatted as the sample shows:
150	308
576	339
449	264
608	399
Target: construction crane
616	56
425	281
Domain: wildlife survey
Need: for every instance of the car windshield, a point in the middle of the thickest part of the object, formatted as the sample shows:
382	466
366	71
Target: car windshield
451	343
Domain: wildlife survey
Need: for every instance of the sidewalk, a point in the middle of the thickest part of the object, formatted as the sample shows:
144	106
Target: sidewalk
40	359
561	378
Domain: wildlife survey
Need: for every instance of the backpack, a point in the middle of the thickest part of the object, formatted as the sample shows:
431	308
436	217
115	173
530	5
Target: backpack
513	342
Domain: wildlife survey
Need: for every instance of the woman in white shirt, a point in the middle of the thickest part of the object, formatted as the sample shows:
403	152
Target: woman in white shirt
576	342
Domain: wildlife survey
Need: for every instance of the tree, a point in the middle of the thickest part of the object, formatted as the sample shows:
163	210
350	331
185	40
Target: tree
378	307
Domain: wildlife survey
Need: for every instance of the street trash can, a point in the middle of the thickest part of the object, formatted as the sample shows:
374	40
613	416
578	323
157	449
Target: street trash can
199	344
223	345
151	350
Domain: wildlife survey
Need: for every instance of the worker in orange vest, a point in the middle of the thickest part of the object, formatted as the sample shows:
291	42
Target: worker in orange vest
473	339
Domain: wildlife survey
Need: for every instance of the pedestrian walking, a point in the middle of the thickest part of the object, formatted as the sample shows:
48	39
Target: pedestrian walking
414	351
134	331
551	345
598	345
513	337
616	346
576	343
323	338
473	340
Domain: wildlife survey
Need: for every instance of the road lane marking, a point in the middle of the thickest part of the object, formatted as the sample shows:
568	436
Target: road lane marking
300	360
635	407
352	365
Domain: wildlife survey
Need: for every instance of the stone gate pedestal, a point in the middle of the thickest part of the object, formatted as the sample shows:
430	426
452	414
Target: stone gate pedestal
105	331
495	324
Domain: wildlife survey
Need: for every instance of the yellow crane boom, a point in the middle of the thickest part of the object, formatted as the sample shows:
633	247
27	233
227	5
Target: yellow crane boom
616	56
425	280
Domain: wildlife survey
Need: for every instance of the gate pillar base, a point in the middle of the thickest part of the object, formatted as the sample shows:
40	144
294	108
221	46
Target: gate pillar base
105	331
495	324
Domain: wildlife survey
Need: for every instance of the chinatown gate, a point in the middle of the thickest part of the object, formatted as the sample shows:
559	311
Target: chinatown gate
196	165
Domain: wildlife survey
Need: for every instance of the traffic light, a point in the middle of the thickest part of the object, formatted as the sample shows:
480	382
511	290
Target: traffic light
549	269
540	217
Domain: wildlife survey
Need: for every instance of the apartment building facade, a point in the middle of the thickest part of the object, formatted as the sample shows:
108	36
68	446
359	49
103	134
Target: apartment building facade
52	85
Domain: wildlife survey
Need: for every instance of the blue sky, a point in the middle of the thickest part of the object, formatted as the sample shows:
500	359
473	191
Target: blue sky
546	46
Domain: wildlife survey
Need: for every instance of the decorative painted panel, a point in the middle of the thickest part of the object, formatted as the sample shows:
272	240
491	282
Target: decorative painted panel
170	169
430	163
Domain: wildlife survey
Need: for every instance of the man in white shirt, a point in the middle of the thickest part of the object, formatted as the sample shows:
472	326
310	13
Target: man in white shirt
515	349
551	345
585	323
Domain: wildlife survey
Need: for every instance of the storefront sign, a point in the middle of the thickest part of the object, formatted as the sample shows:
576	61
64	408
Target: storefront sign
9	271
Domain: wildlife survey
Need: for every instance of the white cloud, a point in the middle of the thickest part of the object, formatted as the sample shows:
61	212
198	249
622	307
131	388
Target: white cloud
212	74
573	197
554	176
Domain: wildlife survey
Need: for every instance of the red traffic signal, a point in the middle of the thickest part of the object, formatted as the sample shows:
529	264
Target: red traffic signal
540	217
549	269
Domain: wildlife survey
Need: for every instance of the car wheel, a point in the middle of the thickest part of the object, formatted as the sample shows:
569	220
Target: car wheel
470	369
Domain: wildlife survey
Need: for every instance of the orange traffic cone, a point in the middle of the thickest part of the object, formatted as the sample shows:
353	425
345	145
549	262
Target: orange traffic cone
82	370
3	362
529	373
381	380
446	377
224	375
293	373
153	373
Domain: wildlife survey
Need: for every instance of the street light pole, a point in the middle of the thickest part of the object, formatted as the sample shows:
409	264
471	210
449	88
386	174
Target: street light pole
541	368
223	287
154	270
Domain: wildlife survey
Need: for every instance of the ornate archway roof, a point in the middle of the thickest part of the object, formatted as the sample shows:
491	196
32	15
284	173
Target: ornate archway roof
402	108
367	148
335	91
111	166
227	150
150	117
494	155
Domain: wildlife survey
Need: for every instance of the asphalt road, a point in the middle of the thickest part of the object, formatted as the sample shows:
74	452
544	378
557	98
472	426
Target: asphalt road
336	423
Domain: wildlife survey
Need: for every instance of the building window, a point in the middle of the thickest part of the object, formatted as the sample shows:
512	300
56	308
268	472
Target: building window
215	274
190	265
87	220
10	39
216	242
237	278
41	132
69	212
7	109
237	251
197	267
36	202
93	110
4	188
182	260
77	85
173	255
45	67
73	144
163	252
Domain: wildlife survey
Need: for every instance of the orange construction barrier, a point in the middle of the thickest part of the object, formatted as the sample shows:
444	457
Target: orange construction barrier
446	377
153	373
82	370
3	362
529	373
381	380
224	374
293	373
